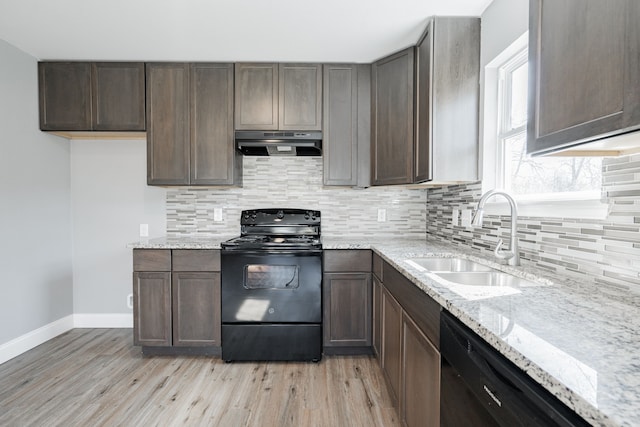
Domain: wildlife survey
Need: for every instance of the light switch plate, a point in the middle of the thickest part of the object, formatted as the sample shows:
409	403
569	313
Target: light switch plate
144	230
454	217
465	218
217	214
382	215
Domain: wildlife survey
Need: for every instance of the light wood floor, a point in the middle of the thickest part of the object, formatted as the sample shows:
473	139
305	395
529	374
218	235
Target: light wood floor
95	377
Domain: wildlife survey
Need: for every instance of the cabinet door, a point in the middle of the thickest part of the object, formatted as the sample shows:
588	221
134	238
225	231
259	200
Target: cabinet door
584	62
392	114
256	96
118	96
300	97
168	124
196	309
377	317
420	396
423	170
347	309
340	125
391	343
214	160
152	309
65	95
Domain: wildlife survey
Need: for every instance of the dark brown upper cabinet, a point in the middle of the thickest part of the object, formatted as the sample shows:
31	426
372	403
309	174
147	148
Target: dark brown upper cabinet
447	101
584	72
214	159
300	100
425	104
83	96
392	108
256	94
168	159
118	96
190	125
346	129
278	96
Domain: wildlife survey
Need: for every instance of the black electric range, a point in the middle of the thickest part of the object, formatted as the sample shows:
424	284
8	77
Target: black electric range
272	287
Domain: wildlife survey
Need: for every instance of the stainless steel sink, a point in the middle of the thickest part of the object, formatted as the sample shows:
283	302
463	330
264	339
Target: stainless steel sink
486	278
435	265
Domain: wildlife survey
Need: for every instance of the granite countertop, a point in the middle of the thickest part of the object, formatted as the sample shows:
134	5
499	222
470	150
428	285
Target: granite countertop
170	242
576	342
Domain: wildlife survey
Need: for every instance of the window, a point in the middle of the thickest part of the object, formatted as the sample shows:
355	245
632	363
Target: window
553	180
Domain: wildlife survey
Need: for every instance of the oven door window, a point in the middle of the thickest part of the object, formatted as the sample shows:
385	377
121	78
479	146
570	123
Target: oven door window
262	276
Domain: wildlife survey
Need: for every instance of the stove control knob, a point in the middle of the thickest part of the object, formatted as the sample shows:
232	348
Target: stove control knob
306	215
246	215
280	215
254	215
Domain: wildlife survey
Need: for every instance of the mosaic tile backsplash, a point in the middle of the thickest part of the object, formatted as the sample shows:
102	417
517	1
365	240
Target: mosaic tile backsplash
604	252
296	182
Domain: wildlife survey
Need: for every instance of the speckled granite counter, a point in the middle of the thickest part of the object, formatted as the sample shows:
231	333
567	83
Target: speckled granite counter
579	344
180	242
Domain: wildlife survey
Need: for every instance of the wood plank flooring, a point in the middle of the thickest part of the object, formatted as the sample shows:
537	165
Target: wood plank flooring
96	377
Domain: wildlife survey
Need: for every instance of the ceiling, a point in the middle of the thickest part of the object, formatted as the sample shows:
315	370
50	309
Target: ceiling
221	30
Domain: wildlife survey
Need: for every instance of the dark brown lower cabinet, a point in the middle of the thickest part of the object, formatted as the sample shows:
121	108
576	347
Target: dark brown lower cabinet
408	321
377	317
420	395
347	310
196	309
178	305
152	308
347	301
391	343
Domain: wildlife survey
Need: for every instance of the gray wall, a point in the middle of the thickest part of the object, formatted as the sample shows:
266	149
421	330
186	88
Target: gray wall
503	21
35	215
110	200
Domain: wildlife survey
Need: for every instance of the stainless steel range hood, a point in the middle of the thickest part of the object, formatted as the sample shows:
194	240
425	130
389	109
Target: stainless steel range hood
279	143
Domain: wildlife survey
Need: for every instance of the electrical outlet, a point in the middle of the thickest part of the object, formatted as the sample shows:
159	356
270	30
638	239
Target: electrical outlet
382	215
130	301
465	218
217	214
144	230
454	217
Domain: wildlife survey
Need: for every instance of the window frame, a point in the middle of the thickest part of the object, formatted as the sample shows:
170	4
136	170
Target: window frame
584	205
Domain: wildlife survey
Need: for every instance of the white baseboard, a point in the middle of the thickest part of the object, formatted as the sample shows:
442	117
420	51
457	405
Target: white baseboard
34	338
103	320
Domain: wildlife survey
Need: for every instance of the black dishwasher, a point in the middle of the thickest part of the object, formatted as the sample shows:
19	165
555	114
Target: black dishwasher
480	387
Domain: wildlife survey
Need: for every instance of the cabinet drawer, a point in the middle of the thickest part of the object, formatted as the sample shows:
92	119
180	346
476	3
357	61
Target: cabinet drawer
376	266
424	311
347	260
151	260
196	260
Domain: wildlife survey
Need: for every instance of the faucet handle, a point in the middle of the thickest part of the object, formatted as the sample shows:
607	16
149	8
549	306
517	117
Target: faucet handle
499	253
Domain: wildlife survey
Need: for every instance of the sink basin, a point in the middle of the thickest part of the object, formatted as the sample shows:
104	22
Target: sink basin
486	278
447	264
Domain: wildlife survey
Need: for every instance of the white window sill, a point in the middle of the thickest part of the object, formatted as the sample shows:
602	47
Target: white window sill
553	206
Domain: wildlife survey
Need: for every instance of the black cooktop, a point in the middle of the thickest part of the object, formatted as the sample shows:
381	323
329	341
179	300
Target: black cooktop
288	229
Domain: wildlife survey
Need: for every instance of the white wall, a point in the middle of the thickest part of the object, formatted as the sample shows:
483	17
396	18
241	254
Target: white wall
35	217
503	21
110	199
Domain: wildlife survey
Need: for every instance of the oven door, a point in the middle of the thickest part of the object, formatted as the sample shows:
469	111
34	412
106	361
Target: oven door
271	287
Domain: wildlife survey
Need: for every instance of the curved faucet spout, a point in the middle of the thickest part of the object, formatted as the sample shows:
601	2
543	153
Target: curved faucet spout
513	254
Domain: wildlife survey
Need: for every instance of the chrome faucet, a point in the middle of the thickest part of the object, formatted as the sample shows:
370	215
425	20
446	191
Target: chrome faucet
512	255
